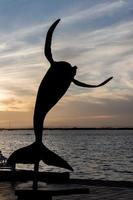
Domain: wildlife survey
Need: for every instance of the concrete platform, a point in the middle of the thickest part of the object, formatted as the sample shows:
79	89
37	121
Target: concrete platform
78	189
47	191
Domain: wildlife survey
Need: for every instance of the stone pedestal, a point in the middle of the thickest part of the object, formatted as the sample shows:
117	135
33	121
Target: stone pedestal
47	191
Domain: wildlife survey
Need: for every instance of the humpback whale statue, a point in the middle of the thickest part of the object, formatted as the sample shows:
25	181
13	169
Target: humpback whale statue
53	86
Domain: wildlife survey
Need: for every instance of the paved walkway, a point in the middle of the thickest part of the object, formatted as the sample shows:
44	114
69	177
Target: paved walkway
96	193
102	193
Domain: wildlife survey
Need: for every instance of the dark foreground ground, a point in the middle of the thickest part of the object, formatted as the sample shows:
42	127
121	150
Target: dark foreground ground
96	193
102	193
99	190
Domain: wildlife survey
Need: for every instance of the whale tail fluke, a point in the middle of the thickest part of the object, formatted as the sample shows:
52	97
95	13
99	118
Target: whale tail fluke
47	48
35	153
51	158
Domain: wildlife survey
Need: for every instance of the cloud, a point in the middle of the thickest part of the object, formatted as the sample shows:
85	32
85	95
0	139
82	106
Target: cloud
110	112
97	37
95	11
11	104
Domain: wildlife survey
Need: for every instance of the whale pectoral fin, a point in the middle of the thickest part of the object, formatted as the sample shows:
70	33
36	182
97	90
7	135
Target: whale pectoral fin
81	84
51	158
47	48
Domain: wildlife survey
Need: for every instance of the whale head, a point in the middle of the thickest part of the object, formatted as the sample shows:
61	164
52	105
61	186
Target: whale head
63	68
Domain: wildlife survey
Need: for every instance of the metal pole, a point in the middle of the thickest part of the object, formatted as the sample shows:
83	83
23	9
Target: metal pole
35	179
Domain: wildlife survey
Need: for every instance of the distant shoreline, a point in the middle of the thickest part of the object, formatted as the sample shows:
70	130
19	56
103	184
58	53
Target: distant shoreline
74	128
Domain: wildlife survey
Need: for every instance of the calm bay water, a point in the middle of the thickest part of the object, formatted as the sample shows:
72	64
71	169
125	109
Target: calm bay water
93	154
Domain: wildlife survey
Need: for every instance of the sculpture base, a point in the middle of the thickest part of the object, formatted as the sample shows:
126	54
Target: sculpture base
47	191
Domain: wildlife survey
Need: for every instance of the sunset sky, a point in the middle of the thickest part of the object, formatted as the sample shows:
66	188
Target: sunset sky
96	36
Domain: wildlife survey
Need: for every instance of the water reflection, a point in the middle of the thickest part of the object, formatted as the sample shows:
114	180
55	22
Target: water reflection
93	154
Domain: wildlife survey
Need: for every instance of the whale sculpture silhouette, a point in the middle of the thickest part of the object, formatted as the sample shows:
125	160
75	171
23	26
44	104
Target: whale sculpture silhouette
53	86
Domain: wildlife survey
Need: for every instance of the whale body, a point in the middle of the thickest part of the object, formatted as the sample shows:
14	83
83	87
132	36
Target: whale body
52	87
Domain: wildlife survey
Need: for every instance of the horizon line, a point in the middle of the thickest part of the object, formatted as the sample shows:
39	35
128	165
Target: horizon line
72	128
